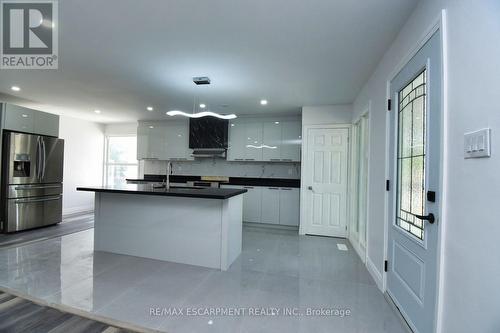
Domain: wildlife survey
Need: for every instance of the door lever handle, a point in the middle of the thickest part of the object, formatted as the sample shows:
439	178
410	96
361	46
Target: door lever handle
430	218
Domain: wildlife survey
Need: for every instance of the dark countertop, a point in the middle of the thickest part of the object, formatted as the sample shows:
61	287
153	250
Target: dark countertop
248	181
147	189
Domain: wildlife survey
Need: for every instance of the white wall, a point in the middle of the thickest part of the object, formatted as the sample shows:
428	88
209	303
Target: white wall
83	161
470	293
121	129
327	114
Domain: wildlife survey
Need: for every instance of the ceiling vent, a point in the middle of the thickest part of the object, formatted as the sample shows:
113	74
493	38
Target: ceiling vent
200	80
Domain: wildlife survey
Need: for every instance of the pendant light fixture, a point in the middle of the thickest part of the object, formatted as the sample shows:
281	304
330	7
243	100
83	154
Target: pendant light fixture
200	114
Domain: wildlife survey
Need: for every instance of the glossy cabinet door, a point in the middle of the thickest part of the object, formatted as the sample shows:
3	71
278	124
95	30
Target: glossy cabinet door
157	138
236	143
253	143
151	141
163	141
252	204
289	206
291	141
142	142
270	205
177	141
271	138
46	124
18	118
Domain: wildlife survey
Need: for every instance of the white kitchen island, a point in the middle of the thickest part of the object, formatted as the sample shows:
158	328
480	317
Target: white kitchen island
196	226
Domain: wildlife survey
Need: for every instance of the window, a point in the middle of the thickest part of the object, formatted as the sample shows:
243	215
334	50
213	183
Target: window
121	159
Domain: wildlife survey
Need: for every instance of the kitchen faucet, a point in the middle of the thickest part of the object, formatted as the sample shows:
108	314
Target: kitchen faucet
168	171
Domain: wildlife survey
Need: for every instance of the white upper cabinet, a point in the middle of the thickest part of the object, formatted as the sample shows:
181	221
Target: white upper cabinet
271	147
253	143
245	141
163	141
151	141
291	140
236	141
265	139
177	141
17	118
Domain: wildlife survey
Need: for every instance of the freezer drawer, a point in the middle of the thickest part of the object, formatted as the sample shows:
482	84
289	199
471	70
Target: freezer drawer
34	190
28	213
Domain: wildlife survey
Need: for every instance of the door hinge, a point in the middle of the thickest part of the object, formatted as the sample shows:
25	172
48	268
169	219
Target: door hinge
387	185
386	265
389	104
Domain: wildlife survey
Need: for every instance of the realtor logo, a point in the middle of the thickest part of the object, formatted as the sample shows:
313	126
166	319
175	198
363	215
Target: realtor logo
28	34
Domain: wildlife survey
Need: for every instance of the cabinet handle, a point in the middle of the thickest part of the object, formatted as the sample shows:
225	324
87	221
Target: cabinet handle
249	159
275	159
273	188
247	186
286	189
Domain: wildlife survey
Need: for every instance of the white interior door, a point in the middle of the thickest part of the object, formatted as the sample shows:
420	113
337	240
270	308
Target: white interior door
416	149
326	181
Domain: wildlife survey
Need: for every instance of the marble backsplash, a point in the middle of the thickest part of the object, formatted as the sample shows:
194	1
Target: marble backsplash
219	167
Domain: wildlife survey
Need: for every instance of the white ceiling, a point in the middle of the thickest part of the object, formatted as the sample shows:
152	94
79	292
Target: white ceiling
120	56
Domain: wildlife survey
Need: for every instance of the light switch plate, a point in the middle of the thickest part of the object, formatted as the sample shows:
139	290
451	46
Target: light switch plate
477	144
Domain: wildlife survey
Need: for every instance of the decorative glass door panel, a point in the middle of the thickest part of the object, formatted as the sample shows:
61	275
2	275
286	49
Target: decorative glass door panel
411	156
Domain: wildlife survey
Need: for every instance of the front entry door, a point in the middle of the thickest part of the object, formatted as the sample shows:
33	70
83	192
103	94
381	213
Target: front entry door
326	181
415	147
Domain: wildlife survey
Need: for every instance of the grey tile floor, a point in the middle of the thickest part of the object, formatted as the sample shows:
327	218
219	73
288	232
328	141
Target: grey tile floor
276	270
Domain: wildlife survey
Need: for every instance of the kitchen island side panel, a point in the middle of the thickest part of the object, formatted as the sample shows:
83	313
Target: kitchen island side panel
183	230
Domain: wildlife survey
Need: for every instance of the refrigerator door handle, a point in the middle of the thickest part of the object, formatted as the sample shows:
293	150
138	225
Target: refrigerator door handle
38	164
22	201
44	158
30	187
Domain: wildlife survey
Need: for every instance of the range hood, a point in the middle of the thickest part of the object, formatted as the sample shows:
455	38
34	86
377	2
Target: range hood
209	152
208	136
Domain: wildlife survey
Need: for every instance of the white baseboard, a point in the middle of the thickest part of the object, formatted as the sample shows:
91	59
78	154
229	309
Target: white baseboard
359	250
77	210
375	273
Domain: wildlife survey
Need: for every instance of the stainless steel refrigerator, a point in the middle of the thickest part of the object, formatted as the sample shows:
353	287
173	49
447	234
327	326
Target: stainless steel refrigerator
32	175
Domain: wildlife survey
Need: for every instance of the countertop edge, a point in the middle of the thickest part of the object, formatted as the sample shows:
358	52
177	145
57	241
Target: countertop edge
165	194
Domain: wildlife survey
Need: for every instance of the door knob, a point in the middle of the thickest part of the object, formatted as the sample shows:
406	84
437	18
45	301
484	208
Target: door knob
430	218
310	188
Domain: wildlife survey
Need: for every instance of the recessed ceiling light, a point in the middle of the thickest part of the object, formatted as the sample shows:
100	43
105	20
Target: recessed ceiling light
277	122
151	127
202	106
149	108
24	115
97	111
263	102
15	88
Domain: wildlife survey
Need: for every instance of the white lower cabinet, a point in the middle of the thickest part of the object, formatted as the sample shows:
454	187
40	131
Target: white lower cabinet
270	205
252	204
289	206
